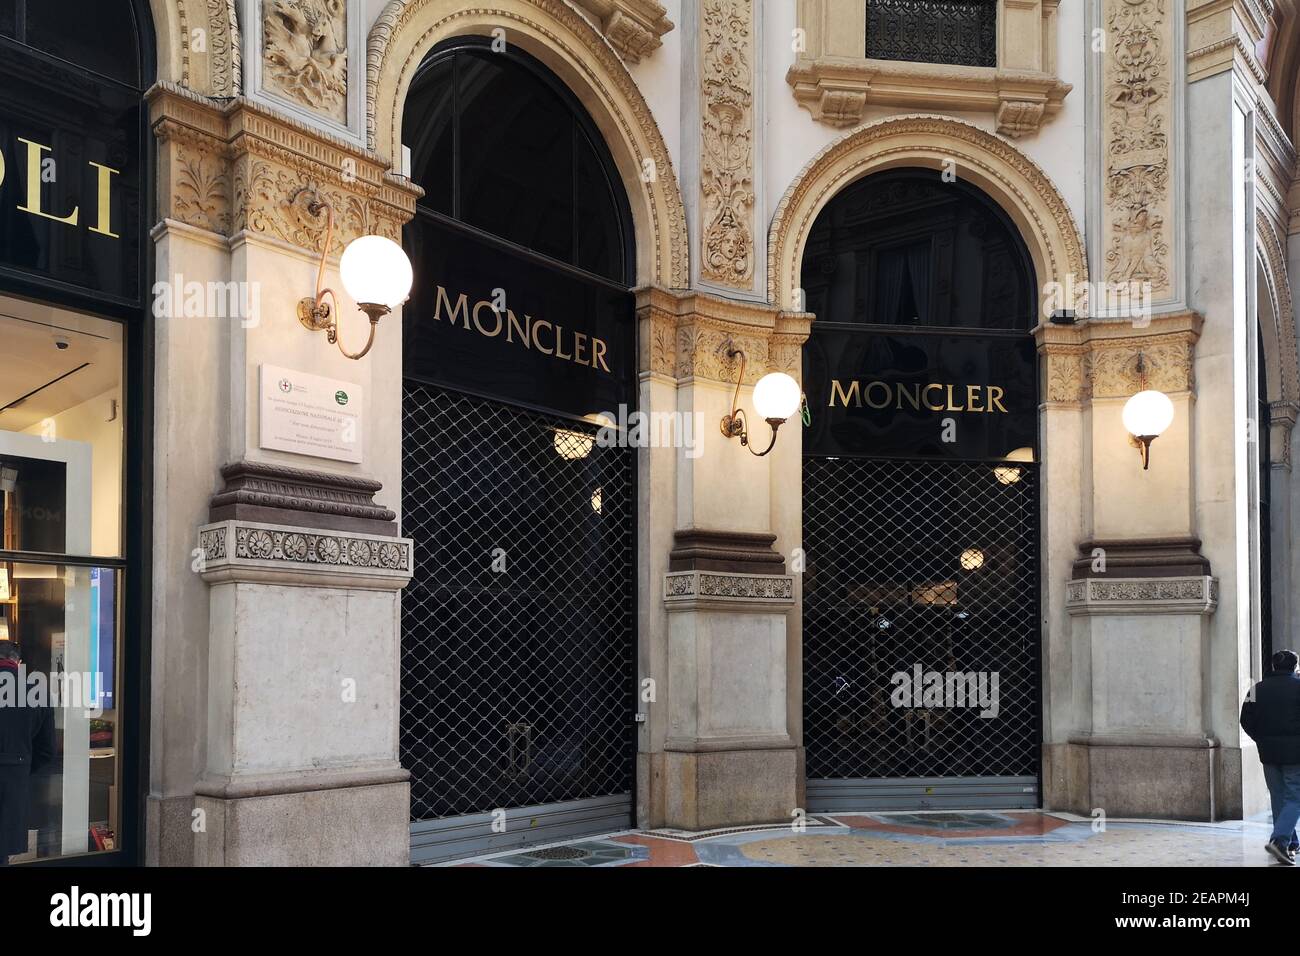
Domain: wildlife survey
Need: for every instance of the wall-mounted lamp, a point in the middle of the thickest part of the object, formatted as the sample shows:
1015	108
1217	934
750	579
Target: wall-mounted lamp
776	398
375	272
1146	415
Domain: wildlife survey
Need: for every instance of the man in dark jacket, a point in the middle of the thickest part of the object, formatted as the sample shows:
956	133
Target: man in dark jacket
26	745
1271	716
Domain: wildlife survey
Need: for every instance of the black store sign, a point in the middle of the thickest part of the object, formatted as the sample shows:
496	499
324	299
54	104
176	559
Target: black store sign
70	179
919	394
489	319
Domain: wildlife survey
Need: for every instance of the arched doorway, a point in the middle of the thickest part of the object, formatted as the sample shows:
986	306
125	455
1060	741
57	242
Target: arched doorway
921	624
74	470
519	636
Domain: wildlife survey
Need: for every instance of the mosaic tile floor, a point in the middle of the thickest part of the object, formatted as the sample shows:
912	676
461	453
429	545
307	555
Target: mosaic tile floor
984	838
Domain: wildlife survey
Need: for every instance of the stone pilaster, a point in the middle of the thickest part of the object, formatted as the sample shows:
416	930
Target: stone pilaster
720	744
274	690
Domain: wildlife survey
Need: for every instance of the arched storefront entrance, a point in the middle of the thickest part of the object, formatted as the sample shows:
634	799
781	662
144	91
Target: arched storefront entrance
921	624
519	626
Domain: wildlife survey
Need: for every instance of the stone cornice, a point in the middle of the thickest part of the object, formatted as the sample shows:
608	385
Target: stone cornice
683	335
1222	34
633	27
1098	359
838	90
232	165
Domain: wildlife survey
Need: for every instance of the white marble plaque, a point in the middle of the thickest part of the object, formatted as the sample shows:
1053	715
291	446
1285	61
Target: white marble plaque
309	414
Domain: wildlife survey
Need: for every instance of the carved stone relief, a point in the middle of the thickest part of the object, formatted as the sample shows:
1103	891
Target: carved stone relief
240	167
305	54
1137	112
727	160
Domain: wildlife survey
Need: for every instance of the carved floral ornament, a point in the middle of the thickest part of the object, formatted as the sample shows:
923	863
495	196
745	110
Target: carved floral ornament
406	30
727	128
1115	359
240	167
686	336
1138	106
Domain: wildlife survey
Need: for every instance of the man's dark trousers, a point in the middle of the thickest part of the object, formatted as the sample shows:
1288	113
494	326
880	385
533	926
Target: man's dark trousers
1284	788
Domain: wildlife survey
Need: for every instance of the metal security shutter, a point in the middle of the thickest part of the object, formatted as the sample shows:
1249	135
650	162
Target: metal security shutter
518	686
885	590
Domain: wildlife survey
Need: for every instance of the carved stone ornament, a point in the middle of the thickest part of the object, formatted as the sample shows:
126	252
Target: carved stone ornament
1135	143
633	27
1172	595
239	167
248	551
687	589
1115	359
208	41
727	127
686	335
305	54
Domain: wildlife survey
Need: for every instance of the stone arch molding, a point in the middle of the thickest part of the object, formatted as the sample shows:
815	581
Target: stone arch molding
198	45
569	45
1008	176
1280	346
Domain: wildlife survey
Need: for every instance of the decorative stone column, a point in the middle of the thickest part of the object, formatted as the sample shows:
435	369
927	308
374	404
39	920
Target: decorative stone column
719	746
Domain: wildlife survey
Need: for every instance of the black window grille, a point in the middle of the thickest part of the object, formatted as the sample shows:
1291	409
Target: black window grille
957	32
929	563
518	665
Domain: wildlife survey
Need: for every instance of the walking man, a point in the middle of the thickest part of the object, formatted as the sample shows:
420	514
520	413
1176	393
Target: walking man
1271	716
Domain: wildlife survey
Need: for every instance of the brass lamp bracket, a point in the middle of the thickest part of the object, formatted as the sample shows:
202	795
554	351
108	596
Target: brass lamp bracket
313	311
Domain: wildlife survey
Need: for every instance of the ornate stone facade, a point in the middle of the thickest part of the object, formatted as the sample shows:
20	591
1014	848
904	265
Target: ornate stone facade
685	336
305	54
1136	126
727	128
1100	359
237	166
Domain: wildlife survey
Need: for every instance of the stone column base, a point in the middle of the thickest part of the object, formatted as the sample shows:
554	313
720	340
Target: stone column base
730	788
349	825
1157	776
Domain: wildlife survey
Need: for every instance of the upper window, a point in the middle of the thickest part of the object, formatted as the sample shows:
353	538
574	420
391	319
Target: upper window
497	143
906	248
96	35
958	32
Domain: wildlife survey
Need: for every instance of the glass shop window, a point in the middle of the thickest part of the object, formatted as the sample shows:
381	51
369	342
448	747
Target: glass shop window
61	570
